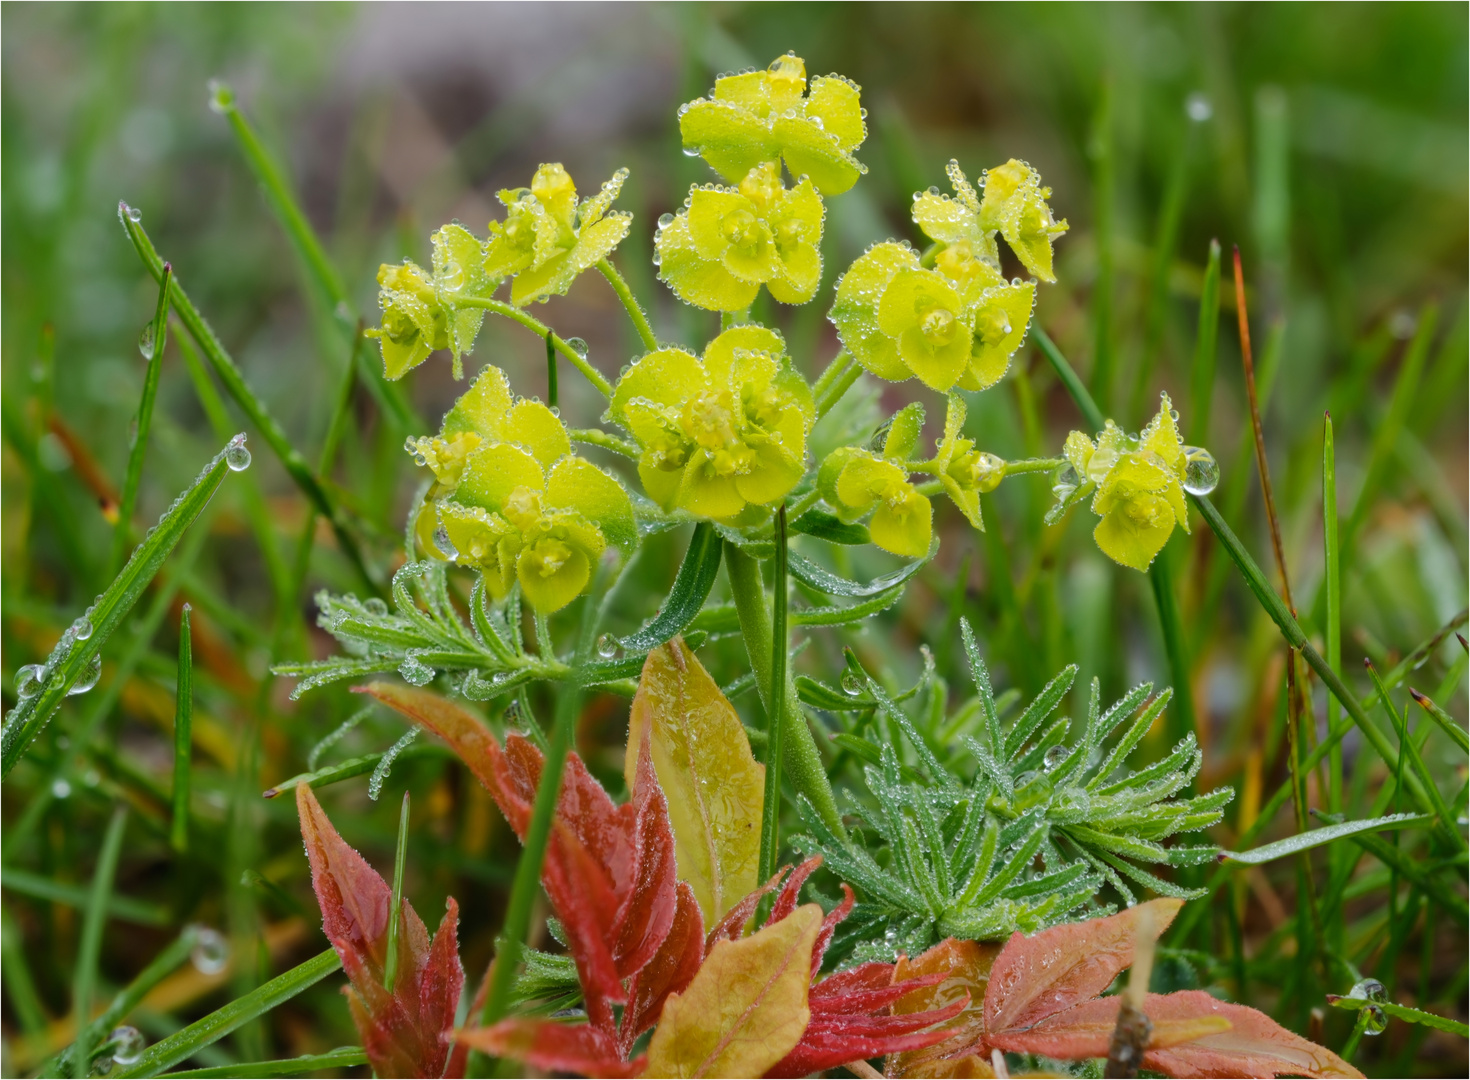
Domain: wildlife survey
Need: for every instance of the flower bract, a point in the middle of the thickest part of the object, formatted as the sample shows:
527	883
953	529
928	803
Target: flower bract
856	482
721	432
717	253
760	117
1015	205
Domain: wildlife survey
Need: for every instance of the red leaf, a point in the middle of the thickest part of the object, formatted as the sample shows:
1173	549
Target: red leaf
1035	977
829	927
1255	1045
962	968
787	900
865	989
732	923
669	972
403	1032
554	1047
647	910
830	1041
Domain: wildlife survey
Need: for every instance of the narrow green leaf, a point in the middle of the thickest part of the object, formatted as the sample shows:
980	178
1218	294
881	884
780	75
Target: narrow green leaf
1445	721
224	367
1403	1012
183	1044
20	985
72	657
825	581
400	860
776	719
152	346
1202	376
346	770
183	737
1090	412
691	588
1325	835
59	892
1438	887
1409	748
825	526
1181	719
94	920
344	1057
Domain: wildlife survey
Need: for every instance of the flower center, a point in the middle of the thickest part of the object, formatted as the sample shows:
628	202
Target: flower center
742	228
523	508
549	556
992	325
938	326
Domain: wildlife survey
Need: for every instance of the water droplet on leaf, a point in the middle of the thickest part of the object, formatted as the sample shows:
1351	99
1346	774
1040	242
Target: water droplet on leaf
146	343
211	951
578	346
607	646
236	456
28	681
1201	471
89	676
852	683
1054	757
127	1044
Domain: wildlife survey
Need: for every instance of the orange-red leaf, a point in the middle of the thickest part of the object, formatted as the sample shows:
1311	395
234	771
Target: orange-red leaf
403	1031
554	1047
669	972
1035	977
964	968
1086	1030
1255	1045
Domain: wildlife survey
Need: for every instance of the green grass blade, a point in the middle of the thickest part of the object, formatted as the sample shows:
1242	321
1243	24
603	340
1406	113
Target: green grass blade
775	713
1403	1012
344	1057
1181	719
346	770
270	430
1100	148
60	892
1202	375
319	269
94	920
1445	721
1333	583
1090	412
395	909
1438	887
691	588
154	339
20	987
210	1029
551	389
72	658
1408	747
1314	838
183	737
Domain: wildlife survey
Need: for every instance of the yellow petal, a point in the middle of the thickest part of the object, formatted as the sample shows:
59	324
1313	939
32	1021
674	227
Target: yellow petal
482	540
482	408
855	309
667	377
809	151
552	573
905	529
576	484
1002	318
719	354
731	138
533	426
695	280
835	101
495	470
699	747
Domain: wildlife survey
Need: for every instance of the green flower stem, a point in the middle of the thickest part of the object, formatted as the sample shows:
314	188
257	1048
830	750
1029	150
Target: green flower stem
606	440
551	391
533	852
541	330
275	437
776	699
805	503
837	380
630	302
800	757
1034	465
158	332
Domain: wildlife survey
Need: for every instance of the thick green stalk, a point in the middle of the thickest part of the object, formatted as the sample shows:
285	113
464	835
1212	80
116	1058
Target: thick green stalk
533	851
154	340
93	923
224	367
776	698
836	381
541	330
800	757
183	737
551	388
630	303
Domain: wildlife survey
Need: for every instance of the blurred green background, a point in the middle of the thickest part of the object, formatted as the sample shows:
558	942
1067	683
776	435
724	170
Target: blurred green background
1328	141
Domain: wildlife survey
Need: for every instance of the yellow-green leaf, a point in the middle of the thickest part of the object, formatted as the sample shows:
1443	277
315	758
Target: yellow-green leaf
714	786
746	1009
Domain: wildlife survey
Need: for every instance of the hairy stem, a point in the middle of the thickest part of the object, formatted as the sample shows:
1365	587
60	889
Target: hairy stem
541	330
630	303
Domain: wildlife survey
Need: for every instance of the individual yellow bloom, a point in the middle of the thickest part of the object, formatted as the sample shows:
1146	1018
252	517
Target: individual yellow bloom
719	433
965	472
857	482
549	237
760	117
968	254
718	252
1140	487
1015	204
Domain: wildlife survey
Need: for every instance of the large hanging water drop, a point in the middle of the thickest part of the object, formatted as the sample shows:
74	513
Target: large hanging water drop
89	676
1201	471
28	681
607	646
146	344
211	951
81	628
1054	757
237	457
852	683
127	1044
578	346
1372	991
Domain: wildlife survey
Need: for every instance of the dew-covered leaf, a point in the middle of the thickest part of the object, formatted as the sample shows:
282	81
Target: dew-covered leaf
551	1046
965	967
1325	835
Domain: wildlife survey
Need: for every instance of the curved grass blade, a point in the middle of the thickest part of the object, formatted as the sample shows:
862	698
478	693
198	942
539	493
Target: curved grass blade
183	737
346	770
691	588
1403	1012
344	1057
1325	835
152	348
85	980
73	657
823	580
59	892
183	1044
1443	719
224	367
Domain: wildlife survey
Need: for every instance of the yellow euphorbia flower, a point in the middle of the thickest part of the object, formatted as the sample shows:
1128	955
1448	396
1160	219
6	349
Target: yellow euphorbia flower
1140	486
513	501
965	472
420	313
718	433
548	237
1015	204
855	482
762	116
717	253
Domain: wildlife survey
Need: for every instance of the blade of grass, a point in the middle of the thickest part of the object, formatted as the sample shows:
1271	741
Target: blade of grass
20	987
1333	592
1445	721
60	892
551	401
1314	838
94	920
527	883
1100	149
210	1029
1408	747
127	999
26	720
224	367
344	1057
775	732
1090	412
319	269
1202	374
346	770
183	737
395	909
154	338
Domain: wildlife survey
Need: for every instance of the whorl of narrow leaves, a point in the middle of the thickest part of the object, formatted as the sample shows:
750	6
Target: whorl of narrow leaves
963	851
404	1030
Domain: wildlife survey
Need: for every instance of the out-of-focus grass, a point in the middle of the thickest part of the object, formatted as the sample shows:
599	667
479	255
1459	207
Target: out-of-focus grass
1329	143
